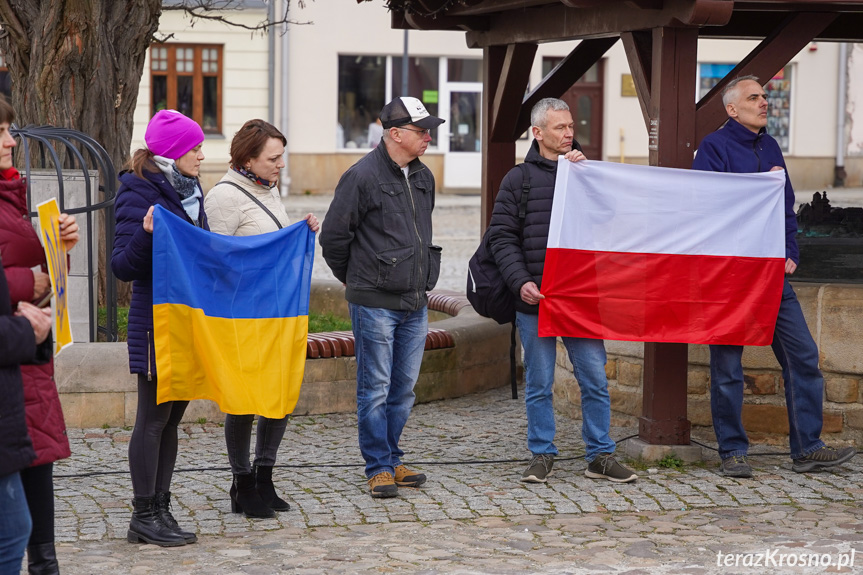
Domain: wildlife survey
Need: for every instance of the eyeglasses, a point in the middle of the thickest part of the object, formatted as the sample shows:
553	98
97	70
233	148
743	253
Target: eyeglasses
423	132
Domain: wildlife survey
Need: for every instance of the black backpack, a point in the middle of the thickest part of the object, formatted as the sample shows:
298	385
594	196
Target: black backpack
486	290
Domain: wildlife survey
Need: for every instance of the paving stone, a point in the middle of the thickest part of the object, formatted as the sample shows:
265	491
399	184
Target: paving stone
468	518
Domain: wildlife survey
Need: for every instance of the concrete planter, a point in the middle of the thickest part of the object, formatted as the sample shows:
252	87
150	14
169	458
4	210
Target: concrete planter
96	387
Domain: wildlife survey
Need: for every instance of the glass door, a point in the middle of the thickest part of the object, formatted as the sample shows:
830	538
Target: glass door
461	135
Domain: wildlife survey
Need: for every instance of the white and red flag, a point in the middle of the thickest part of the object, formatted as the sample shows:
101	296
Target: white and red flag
641	253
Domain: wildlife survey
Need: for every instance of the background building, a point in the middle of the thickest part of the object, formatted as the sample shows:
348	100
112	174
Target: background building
346	63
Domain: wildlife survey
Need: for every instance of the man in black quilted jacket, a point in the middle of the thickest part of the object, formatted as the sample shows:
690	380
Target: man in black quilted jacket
519	250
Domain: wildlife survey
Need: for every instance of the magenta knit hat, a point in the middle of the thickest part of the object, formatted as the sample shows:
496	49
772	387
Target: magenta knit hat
171	134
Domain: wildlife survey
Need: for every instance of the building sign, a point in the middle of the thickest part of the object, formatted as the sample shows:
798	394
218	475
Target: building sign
627	86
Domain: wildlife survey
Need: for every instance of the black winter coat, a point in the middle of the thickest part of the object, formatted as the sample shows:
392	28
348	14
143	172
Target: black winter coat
17	346
132	259
520	254
377	234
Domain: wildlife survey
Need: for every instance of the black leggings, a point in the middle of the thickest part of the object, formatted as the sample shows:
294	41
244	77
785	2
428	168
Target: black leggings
153	446
39	489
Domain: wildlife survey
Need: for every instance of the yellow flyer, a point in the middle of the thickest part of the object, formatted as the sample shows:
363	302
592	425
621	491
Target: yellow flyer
55	253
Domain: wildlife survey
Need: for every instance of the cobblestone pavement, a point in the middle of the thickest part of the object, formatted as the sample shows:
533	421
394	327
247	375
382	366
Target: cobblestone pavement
456	229
472	516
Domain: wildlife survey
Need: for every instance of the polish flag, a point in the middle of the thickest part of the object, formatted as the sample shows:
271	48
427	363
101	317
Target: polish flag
640	253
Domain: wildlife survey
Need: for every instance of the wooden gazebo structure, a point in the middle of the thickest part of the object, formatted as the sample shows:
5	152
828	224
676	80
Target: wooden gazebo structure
661	42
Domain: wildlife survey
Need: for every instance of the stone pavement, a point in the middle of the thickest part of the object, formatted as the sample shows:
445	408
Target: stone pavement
472	516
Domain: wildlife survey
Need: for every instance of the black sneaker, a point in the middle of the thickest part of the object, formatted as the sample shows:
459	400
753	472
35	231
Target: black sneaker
605	466
823	458
538	469
735	466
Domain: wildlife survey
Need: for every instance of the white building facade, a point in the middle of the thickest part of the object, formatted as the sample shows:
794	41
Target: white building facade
346	63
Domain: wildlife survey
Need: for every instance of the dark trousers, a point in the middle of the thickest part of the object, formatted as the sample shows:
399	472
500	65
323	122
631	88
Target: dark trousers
153	446
39	489
238	437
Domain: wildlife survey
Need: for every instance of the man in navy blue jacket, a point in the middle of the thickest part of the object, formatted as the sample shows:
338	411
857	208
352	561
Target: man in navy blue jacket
742	145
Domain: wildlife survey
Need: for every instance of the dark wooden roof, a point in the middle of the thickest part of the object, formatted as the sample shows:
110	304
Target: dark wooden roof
500	22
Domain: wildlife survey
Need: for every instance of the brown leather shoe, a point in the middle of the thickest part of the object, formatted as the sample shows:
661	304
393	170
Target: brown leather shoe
407	478
383	485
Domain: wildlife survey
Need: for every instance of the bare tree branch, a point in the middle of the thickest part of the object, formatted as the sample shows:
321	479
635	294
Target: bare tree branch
206	10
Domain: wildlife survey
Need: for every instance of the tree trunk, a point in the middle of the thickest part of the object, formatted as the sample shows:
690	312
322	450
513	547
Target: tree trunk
77	64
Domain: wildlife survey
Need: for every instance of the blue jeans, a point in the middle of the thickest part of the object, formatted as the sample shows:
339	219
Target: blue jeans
389	349
588	362
15	524
804	385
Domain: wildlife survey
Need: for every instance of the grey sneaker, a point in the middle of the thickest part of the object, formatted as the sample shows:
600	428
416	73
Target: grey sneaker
538	469
735	466
823	458
605	466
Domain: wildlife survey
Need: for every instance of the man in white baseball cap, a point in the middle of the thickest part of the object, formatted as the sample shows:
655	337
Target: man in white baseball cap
377	239
407	110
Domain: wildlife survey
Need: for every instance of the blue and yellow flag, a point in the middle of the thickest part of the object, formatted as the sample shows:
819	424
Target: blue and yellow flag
230	315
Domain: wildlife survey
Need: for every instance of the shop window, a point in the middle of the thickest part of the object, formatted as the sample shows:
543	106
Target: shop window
422	83
778	98
363	91
362	94
188	78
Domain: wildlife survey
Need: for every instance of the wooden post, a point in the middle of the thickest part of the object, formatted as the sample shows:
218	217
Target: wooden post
671	132
497	157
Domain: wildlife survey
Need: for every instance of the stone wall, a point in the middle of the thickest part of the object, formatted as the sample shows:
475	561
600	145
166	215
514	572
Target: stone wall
96	388
834	314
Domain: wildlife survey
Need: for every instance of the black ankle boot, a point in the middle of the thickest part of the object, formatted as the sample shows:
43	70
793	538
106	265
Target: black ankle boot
245	498
163	509
42	559
147	527
266	489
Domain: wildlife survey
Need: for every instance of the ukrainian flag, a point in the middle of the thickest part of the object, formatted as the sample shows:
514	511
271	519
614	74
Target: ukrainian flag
230	315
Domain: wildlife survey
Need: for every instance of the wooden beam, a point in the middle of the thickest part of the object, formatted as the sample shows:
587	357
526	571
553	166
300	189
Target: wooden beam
639	53
562	77
555	22
461	23
497	157
513	82
770	56
671	111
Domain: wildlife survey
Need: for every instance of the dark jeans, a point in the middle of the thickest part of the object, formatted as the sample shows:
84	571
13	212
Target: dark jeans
238	437
153	446
796	352
39	488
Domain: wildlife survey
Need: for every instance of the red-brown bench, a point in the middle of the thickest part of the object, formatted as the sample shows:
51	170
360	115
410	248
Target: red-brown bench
341	343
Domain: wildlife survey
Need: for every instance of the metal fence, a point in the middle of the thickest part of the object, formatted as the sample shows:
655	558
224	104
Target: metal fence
74	158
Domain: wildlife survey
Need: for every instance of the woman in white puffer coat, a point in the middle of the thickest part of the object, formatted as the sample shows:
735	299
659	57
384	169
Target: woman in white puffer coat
246	202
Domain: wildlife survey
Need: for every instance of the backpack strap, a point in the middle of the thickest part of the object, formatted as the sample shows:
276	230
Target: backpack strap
525	191
254	199
522	214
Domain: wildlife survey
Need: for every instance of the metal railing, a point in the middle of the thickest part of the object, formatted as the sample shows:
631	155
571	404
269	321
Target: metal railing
66	151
